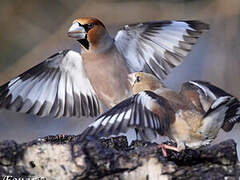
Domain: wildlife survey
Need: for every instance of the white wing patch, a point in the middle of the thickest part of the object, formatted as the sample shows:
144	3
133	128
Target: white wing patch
59	85
105	121
120	117
134	112
113	119
213	122
157	47
146	100
219	101
205	89
97	123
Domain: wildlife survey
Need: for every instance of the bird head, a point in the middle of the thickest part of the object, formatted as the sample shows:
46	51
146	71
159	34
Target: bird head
89	32
141	81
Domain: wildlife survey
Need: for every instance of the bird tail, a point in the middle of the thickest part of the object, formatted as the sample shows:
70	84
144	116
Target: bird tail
232	115
219	116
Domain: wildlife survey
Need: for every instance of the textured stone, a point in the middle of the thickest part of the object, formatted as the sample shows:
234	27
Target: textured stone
64	157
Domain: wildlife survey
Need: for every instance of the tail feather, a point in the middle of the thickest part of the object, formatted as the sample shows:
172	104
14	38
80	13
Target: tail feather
232	115
215	117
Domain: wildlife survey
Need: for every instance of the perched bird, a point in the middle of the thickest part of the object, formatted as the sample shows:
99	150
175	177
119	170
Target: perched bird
191	118
73	84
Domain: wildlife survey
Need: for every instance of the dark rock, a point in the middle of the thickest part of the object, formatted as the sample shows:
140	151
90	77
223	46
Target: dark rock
64	157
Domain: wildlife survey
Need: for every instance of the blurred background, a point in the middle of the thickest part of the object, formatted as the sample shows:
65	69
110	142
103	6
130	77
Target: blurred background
33	30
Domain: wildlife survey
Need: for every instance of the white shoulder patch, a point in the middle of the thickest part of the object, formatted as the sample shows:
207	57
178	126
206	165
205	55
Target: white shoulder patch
220	101
205	89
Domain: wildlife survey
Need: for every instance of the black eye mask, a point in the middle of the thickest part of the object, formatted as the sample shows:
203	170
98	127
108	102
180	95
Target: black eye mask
84	41
87	27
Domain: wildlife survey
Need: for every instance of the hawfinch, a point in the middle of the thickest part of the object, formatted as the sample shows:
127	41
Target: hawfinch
73	84
191	118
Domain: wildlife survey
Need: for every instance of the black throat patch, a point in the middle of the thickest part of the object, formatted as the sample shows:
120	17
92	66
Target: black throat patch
84	42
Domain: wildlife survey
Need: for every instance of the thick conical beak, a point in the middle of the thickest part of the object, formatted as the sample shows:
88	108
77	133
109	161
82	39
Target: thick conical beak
131	79
76	31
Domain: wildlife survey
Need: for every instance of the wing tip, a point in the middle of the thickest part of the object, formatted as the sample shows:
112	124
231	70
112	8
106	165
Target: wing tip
198	25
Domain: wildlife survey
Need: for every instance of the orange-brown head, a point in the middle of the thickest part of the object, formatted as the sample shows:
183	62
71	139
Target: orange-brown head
141	81
90	32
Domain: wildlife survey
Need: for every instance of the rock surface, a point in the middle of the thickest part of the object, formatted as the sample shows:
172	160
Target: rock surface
63	157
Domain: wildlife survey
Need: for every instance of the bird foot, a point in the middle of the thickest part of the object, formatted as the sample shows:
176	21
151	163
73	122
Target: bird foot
164	148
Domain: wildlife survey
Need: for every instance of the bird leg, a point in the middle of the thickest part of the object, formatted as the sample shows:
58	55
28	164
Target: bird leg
164	147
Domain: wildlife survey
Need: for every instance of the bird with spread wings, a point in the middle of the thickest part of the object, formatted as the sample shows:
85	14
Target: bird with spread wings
69	83
192	117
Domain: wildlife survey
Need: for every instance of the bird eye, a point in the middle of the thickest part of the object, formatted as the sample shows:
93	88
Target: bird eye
90	25
138	79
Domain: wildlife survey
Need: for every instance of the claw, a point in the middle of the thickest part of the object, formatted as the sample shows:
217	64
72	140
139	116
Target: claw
164	147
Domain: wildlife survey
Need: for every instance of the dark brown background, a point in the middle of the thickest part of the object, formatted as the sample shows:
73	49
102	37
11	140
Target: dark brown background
30	31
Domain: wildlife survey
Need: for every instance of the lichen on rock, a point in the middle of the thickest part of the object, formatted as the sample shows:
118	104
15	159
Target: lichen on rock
64	157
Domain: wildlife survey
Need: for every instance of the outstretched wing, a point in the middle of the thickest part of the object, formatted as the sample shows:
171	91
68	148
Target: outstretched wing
157	47
58	86
143	110
214	101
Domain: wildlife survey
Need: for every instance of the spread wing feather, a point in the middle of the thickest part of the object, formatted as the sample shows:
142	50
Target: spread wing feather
157	47
137	111
58	86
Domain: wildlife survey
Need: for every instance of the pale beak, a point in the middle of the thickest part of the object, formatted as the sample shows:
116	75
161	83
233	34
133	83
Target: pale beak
131	79
76	31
